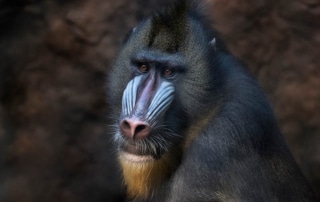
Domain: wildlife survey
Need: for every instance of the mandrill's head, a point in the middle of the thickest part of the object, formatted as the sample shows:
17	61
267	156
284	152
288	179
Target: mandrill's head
162	82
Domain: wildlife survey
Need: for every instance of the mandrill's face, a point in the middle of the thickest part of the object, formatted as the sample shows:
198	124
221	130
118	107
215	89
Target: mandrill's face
144	130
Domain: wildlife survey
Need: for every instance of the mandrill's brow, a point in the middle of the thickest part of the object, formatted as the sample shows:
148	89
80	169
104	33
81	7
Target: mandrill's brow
174	60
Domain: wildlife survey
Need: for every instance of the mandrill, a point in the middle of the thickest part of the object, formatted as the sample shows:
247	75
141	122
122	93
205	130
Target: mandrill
192	123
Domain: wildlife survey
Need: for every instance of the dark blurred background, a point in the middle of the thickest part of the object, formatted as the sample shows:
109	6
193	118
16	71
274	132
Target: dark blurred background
54	57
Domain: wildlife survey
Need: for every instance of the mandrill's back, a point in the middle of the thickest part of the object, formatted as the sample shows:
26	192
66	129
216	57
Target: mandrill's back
192	124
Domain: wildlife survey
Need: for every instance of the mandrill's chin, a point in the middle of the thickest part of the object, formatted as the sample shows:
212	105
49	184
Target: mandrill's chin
133	158
143	173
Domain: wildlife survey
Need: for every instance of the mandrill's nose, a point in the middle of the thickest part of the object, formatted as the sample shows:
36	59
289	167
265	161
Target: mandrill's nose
134	128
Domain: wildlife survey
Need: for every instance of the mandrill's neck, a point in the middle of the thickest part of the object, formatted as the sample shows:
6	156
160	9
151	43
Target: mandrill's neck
143	178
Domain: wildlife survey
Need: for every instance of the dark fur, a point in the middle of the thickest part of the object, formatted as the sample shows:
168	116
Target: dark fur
235	151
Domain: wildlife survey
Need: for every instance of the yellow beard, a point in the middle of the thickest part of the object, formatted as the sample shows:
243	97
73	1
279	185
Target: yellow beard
142	177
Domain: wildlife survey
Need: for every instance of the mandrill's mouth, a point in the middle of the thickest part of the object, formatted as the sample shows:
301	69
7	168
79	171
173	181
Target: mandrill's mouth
142	148
133	148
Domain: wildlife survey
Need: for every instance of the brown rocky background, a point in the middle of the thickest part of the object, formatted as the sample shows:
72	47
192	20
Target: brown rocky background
54	57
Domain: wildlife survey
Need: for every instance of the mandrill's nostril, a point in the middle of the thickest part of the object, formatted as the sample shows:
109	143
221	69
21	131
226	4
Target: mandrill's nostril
134	128
125	124
140	128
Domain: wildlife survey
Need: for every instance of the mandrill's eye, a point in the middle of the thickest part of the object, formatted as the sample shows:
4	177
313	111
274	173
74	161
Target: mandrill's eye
143	68
168	72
